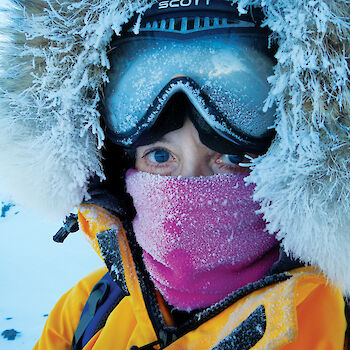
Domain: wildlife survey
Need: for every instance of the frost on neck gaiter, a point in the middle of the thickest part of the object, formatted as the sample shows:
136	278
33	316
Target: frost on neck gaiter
213	214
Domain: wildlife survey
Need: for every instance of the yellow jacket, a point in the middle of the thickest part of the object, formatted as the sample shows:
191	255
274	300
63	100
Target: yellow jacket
291	311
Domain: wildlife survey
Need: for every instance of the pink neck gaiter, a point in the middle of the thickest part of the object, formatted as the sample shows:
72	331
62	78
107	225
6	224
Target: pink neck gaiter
201	236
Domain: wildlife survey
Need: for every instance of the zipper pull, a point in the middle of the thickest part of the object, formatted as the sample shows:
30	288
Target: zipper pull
70	224
150	346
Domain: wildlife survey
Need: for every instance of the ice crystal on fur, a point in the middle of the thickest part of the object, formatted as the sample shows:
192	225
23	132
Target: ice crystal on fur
51	75
303	182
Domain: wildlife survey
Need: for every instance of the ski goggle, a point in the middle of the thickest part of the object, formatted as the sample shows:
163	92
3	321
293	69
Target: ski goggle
224	75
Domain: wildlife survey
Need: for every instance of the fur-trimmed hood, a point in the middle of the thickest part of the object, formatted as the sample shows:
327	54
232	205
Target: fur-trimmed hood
53	63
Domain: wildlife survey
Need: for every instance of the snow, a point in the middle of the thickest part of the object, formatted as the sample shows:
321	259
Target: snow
35	272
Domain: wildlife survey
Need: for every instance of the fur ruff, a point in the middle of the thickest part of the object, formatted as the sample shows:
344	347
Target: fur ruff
53	64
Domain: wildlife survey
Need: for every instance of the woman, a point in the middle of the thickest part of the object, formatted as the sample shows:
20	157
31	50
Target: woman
195	268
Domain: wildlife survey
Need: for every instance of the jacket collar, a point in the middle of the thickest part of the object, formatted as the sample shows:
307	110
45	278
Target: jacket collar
245	306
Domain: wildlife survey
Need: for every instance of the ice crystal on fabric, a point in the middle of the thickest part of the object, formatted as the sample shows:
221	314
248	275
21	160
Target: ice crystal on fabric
198	233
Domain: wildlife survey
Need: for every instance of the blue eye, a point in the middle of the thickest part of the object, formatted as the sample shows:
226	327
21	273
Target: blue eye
158	156
232	158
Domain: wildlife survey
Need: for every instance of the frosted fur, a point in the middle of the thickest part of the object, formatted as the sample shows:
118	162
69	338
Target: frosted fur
50	136
53	63
303	181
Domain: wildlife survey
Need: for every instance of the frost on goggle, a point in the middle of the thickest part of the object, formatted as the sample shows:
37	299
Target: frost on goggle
230	73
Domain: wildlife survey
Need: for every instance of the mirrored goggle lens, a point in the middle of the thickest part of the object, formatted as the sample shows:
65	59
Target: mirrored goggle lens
226	68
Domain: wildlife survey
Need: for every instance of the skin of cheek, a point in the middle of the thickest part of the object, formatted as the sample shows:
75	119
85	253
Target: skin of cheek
223	169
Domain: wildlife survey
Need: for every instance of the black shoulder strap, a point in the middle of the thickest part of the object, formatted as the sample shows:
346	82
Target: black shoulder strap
347	333
104	297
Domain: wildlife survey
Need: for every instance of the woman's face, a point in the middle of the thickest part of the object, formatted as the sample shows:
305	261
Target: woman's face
181	152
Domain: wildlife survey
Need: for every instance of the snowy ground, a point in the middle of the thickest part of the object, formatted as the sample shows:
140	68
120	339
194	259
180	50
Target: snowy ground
35	272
